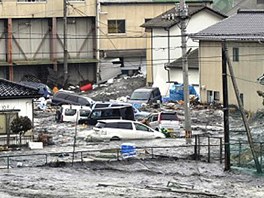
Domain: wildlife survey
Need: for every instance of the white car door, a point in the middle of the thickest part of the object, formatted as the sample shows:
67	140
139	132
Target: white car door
125	130
153	122
143	132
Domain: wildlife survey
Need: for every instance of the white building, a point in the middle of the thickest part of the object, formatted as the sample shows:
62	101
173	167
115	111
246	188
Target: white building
164	45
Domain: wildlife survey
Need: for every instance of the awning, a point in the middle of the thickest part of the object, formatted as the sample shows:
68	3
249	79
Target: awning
2	64
32	62
81	60
125	53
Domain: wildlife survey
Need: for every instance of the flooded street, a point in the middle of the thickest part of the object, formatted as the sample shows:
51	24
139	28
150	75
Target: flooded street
166	171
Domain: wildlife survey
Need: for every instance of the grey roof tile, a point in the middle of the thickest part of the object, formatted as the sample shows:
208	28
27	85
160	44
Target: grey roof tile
10	90
193	61
245	25
161	22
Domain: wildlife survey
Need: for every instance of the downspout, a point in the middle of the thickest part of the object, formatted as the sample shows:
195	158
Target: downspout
9	49
166	65
53	43
97	22
151	58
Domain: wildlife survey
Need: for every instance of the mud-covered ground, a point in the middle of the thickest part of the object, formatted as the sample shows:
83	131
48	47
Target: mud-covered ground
170	172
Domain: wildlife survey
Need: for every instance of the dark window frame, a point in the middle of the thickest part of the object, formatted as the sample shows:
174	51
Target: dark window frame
235	54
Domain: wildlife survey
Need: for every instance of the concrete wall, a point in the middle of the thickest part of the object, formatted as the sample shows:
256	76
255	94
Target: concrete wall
134	15
48	8
25	106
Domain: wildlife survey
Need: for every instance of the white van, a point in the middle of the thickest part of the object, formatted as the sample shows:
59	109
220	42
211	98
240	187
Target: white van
72	113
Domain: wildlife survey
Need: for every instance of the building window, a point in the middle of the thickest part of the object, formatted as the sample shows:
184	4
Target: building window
216	96
260	1
210	97
241	96
31	1
235	54
116	26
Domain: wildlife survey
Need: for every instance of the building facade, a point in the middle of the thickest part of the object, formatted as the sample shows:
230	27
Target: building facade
32	40
242	34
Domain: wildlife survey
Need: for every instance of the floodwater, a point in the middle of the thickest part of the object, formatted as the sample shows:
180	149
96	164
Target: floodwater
171	173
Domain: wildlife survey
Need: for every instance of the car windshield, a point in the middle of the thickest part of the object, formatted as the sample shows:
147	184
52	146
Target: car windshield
168	116
84	112
140	95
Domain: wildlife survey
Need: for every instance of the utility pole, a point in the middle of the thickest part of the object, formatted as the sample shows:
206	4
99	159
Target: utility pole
225	108
183	14
65	48
243	114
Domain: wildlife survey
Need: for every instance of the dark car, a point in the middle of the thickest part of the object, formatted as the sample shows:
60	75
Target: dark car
121	112
145	95
63	97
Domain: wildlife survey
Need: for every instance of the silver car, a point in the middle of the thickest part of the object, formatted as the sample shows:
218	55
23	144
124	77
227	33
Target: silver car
122	129
166	122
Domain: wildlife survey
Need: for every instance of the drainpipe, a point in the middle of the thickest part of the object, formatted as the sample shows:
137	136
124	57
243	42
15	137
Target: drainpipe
9	49
53	43
97	22
166	65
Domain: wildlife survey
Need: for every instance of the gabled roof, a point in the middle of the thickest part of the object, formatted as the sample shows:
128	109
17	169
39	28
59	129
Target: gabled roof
246	25
161	22
11	90
193	61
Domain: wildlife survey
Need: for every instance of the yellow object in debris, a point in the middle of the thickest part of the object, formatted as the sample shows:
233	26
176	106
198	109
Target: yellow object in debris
55	89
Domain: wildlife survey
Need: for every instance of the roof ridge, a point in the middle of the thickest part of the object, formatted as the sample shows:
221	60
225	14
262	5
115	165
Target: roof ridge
239	11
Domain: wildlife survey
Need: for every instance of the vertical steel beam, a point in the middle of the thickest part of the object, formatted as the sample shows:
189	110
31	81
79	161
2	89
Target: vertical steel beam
53	50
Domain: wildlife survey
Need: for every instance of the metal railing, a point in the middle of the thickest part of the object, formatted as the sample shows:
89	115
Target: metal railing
208	149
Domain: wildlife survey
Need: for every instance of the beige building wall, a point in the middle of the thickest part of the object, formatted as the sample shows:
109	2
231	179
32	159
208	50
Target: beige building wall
134	15
50	8
247	70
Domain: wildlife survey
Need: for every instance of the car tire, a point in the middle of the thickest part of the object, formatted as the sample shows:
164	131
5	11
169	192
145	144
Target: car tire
115	138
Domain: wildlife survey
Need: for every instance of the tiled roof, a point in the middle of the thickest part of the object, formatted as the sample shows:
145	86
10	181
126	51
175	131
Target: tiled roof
10	90
161	22
193	61
245	25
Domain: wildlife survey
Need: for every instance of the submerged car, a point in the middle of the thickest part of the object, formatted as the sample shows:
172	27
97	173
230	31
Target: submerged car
114	112
123	129
72	113
65	97
145	95
165	121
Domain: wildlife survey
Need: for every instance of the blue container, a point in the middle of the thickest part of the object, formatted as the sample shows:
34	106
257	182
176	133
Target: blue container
128	150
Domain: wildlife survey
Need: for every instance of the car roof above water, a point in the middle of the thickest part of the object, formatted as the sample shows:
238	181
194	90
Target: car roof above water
115	120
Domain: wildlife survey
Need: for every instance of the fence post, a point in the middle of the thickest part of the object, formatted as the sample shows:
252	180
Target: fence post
260	153
81	157
152	154
46	159
221	150
7	162
195	147
117	154
209	149
239	152
199	145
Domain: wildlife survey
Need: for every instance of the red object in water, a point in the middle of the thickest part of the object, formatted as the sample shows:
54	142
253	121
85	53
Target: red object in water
86	87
